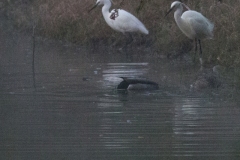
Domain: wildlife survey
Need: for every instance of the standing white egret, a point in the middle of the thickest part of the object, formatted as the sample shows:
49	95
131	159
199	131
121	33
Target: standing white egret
193	24
119	19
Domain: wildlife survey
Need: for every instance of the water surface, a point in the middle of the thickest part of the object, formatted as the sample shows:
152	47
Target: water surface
68	108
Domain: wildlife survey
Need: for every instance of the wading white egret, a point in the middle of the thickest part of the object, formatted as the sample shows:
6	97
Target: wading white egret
193	24
119	19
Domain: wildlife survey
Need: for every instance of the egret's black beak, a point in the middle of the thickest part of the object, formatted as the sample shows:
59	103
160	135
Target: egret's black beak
94	7
170	10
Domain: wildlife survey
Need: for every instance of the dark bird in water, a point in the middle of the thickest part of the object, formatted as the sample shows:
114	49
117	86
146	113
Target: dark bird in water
137	84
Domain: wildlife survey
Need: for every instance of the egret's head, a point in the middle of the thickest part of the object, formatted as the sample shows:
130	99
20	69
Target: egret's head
102	2
99	2
175	5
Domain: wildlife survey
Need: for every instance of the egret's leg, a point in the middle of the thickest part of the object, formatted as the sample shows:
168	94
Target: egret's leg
130	38
195	45
116	42
200	53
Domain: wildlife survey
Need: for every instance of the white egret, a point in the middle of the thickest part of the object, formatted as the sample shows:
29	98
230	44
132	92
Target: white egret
119	19
193	24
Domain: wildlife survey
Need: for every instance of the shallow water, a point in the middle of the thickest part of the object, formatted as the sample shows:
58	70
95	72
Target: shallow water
68	107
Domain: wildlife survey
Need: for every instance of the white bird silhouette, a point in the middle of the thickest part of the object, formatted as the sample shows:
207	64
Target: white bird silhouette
193	24
119	19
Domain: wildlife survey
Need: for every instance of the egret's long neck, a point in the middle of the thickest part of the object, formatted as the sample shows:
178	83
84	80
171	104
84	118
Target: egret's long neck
105	9
178	14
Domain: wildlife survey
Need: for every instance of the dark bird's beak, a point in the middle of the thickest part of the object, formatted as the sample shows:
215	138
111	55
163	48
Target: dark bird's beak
170	10
93	7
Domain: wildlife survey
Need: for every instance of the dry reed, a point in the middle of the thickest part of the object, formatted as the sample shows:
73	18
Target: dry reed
70	20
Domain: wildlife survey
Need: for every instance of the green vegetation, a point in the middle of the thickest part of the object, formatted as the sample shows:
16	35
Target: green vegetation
70	20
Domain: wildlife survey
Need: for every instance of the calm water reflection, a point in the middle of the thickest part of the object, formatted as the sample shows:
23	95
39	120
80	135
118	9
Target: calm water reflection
76	113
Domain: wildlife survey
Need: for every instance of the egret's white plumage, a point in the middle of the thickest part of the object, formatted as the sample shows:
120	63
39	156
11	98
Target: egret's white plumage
193	24
121	20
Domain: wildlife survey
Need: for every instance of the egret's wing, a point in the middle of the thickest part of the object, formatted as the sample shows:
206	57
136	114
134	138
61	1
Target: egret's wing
127	22
201	26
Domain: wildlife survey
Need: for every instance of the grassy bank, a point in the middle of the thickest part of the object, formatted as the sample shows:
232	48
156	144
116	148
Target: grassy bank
70	20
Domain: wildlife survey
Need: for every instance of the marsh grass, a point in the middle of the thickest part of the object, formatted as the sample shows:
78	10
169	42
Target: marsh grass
70	20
